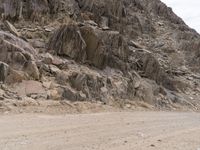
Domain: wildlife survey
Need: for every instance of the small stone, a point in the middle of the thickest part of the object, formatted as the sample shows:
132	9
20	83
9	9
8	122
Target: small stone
128	105
190	78
137	85
191	98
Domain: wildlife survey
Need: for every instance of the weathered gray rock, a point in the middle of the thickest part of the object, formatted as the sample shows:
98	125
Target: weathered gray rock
67	41
4	69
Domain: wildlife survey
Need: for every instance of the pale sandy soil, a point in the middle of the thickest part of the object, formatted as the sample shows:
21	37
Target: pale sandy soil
102	131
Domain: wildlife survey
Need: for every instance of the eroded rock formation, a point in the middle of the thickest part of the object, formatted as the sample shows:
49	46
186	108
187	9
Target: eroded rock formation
91	50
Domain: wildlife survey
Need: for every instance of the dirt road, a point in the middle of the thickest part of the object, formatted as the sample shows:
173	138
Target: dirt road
104	131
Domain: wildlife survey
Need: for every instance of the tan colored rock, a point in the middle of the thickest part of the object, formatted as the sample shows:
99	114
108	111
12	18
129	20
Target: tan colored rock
27	88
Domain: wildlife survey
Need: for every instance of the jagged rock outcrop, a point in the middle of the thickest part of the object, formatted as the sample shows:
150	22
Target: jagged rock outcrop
91	45
108	50
18	54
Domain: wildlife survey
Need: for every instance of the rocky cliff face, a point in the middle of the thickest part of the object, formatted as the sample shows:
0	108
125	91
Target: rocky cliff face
91	50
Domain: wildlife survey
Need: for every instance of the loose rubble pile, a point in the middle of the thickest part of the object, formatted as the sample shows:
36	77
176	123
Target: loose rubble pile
130	51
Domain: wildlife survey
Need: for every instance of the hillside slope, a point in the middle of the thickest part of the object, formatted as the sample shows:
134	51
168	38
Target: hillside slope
108	51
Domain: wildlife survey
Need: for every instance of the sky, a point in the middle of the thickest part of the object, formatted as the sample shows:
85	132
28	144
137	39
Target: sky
188	10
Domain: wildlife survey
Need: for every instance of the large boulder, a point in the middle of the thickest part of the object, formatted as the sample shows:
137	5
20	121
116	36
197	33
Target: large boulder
94	46
30	88
104	48
96	52
67	41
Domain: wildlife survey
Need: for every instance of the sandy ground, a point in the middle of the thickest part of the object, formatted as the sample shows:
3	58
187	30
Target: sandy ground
102	131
